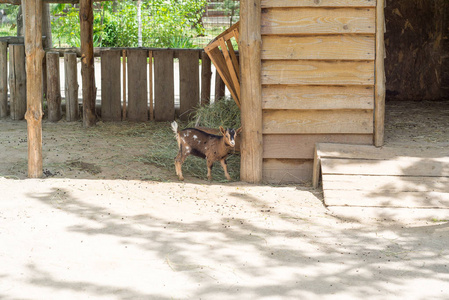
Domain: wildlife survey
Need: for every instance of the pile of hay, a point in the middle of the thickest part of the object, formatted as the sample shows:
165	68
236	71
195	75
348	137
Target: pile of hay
165	148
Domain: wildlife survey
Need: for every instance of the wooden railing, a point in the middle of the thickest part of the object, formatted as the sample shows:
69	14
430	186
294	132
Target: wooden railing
146	92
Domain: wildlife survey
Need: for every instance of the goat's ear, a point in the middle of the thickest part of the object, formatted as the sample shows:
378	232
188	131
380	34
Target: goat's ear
238	130
222	130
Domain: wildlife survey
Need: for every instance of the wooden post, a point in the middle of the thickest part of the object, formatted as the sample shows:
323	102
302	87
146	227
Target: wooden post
17	81
379	107
219	87
71	87
3	79
150	83
34	57
206	76
53	87
87	62
124	84
250	43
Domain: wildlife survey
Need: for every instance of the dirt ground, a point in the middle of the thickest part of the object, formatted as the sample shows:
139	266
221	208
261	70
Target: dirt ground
103	224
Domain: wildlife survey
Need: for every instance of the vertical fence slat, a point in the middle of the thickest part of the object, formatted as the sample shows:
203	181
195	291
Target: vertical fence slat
150	80
3	79
137	85
17	81
164	92
206	76
111	109
71	87
189	83
124	84
219	87
53	87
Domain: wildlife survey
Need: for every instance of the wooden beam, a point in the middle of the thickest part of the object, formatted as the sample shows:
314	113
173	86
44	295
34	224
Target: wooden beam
379	106
250	45
34	56
87	62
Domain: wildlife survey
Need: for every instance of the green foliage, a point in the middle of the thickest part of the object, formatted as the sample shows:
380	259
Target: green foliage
231	9
66	28
165	23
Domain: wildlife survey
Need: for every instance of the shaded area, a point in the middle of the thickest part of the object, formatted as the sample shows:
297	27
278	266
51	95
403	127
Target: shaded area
141	240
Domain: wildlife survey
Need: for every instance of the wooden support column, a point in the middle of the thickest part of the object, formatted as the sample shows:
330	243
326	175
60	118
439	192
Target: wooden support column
206	76
250	43
53	88
71	87
379	106
3	79
87	62
34	57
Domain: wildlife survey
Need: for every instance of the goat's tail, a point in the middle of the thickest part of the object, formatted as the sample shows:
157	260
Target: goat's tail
174	127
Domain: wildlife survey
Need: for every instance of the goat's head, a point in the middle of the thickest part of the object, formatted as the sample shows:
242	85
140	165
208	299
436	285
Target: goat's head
230	135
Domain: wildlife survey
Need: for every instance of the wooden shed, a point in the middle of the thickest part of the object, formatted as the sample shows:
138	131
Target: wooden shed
321	66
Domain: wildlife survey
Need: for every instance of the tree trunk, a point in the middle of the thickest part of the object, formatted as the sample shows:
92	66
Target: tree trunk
20	22
34	56
87	63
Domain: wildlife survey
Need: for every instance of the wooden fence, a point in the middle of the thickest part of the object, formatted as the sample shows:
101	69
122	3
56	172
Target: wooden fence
146	92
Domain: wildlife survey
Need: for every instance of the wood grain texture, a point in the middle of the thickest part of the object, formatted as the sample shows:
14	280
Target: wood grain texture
317	97
251	167
386	183
164	91
318	3
311	21
379	113
189	84
325	47
282	171
206	76
3	79
34	91
137	85
387	199
318	72
317	121
71	87
111	107
87	63
17	81
403	166
373	153
295	146
53	88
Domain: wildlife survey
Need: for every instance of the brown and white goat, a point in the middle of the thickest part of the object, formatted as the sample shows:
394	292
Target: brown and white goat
205	145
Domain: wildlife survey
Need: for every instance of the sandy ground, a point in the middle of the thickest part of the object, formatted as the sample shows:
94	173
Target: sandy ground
103	225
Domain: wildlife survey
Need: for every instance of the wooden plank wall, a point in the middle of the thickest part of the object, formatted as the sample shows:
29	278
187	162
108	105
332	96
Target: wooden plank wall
318	77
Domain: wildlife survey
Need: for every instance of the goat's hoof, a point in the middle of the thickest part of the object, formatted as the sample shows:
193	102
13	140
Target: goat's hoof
181	178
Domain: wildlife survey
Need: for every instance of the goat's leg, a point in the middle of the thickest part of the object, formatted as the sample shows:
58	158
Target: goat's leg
210	163
225	168
179	160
